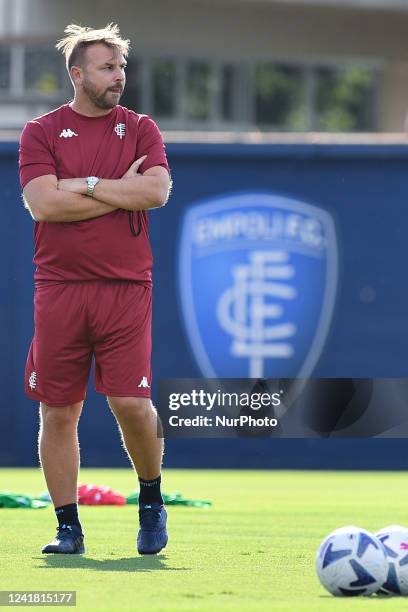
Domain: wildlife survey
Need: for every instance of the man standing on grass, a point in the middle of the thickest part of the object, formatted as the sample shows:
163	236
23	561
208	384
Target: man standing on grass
89	171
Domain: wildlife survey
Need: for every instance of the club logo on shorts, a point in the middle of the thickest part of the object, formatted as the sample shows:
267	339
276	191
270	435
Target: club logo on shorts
257	283
32	381
144	383
120	130
67	134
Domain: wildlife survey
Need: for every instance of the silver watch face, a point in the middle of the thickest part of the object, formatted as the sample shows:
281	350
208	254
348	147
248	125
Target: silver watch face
91	181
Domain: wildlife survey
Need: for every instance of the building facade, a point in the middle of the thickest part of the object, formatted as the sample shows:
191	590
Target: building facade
224	65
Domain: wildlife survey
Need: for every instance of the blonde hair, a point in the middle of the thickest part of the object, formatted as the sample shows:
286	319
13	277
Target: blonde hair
79	38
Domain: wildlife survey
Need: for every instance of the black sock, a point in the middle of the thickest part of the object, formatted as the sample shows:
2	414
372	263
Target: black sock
68	515
150	491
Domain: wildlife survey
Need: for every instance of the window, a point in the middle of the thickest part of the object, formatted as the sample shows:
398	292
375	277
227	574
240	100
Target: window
198	91
164	87
43	70
229	83
4	68
344	100
278	95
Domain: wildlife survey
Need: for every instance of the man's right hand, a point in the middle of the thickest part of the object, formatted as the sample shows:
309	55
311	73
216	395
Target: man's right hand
133	170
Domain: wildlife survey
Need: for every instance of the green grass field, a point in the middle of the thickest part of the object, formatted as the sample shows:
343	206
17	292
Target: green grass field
253	550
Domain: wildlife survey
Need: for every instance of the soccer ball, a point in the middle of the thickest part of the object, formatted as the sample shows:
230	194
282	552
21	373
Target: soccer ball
395	542
351	561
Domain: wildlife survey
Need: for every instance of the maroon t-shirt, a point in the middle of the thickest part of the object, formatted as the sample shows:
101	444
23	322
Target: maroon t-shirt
70	145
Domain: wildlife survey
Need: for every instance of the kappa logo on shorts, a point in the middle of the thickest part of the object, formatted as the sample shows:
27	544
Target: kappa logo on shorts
67	134
144	383
32	381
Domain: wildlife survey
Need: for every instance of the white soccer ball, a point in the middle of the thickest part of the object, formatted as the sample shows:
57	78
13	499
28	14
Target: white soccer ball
351	561
395	541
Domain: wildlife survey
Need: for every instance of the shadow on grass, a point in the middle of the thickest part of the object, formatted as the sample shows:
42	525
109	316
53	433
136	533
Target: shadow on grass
367	598
148	563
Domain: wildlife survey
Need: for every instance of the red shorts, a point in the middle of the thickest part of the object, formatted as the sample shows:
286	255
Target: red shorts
75	321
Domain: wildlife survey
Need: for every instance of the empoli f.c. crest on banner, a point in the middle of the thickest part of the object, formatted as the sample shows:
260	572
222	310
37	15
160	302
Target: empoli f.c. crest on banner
257	280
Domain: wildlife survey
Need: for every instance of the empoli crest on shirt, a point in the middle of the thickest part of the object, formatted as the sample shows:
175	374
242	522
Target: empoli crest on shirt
257	282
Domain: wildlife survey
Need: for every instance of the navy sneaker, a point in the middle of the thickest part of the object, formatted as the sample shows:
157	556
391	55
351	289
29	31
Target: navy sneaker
152	536
68	541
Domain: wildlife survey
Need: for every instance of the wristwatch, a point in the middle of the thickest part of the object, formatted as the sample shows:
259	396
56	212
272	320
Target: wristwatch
91	182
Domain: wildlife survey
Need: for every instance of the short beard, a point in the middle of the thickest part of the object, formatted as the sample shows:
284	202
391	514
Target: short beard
99	100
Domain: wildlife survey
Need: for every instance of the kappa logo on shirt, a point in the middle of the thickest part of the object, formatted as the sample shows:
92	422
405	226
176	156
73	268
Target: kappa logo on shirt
67	133
144	383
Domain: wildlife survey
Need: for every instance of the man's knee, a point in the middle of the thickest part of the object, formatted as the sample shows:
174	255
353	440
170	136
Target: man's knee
60	416
131	408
